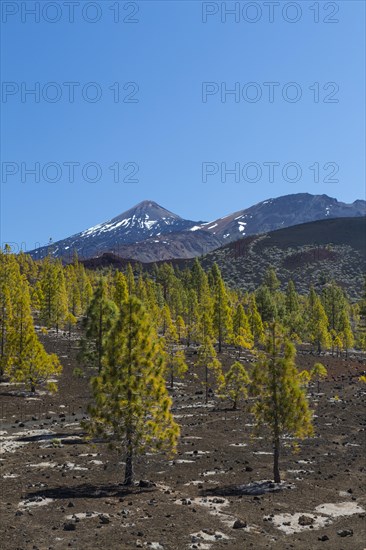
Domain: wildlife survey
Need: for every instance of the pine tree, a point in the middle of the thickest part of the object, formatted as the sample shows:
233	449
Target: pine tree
36	366
318	372
255	321
292	318
281	403
6	329
70	321
54	305
181	328
120	289
73	290
10	283
346	334
198	279
141	292
85	287
166	279
177	365
132	407
207	359
236	383
192	317
266	304
205	323
317	322
222	321
271	281
165	322
176	362
23	329
98	322
130	278
242	336
31	364
334	302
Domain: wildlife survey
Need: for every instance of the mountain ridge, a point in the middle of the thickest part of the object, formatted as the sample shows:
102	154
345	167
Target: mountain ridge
309	253
149	232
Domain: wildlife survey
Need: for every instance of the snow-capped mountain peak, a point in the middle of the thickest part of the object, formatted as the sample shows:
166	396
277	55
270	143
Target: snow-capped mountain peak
145	220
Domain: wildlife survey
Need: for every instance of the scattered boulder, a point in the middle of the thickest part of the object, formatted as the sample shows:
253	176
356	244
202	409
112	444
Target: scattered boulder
144	483
306	520
239	524
69	526
104	519
345	533
323	538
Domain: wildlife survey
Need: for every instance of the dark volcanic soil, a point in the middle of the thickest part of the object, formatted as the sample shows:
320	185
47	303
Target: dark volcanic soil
60	492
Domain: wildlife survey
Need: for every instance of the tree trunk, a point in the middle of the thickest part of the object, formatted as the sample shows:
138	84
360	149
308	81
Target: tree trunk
129	467
276	458
172	378
206	383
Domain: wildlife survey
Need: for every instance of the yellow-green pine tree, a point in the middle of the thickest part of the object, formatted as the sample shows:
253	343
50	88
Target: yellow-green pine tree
73	290
98	322
318	372
31	364
222	320
242	336
181	328
37	366
54	305
6	329
132	407
236	383
130	278
317	322
176	360
281	404
207	359
120	290
346	333
255	320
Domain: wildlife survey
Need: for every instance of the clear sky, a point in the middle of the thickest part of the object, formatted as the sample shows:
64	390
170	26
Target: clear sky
166	123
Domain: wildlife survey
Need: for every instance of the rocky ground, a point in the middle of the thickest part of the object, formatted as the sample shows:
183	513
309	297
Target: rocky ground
59	491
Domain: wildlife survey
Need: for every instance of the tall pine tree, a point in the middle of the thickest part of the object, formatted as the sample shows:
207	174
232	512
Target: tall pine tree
132	407
281	403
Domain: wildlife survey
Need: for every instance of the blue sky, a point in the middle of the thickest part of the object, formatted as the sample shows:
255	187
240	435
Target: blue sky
169	132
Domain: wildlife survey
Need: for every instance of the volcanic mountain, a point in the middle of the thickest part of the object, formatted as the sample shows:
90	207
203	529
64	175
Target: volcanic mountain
146	219
149	232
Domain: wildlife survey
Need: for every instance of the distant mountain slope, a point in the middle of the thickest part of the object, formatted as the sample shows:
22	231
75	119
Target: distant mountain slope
311	253
282	212
162	235
182	244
